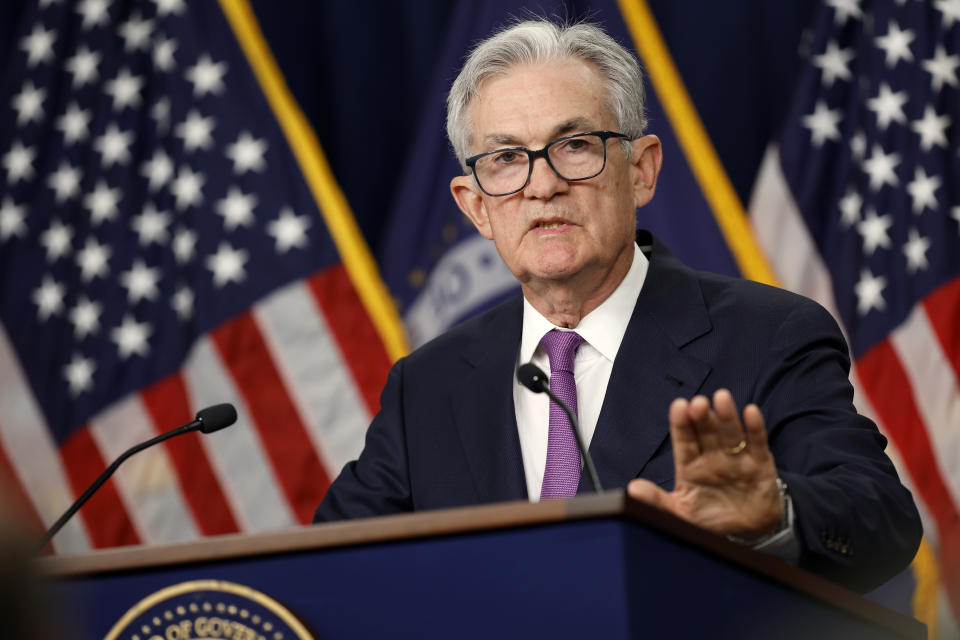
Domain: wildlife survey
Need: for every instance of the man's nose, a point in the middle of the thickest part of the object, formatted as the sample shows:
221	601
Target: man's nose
544	181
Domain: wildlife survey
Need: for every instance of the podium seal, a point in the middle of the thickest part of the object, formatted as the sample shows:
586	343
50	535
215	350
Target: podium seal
202	609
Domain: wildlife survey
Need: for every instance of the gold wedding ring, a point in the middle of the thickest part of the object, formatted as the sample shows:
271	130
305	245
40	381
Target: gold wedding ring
737	449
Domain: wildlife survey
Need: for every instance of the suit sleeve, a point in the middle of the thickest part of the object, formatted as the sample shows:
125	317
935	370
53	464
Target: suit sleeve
378	482
856	523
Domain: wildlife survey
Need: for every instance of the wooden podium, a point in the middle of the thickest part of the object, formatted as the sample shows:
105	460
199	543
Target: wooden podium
600	566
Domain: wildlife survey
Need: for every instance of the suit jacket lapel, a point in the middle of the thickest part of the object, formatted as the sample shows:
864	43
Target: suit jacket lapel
651	369
484	412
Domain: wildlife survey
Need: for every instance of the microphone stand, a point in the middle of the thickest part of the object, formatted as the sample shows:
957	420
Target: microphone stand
208	420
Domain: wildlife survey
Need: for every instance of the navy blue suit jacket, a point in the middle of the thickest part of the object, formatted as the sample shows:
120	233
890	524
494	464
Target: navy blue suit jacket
446	434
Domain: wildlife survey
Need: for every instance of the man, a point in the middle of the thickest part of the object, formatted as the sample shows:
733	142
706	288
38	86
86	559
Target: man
548	124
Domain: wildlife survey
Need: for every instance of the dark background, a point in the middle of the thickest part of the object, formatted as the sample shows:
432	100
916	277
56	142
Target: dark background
738	59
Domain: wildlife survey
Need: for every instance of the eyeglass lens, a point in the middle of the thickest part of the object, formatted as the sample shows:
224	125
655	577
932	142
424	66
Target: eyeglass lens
575	158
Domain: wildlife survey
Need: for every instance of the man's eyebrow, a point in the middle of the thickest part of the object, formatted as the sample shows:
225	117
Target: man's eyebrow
500	140
570	126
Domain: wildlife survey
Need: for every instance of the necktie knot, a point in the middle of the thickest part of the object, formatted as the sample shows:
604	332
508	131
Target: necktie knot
561	348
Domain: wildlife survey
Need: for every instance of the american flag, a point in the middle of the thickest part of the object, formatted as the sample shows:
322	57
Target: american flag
858	205
161	250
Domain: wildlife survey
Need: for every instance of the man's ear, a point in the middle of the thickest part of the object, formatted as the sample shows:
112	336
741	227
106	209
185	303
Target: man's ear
468	197
647	160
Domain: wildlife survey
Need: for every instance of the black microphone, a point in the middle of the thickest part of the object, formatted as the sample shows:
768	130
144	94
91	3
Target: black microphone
536	380
207	420
213	418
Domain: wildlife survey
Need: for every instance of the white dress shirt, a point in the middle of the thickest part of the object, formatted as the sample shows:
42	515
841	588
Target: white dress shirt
602	330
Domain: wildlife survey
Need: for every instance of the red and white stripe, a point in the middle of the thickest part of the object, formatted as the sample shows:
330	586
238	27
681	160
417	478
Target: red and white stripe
303	368
309	361
909	380
146	483
35	473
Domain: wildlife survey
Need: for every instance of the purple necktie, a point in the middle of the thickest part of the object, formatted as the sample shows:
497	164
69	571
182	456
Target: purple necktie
562	473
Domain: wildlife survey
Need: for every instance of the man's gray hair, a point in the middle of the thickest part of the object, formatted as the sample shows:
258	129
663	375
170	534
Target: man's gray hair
539	41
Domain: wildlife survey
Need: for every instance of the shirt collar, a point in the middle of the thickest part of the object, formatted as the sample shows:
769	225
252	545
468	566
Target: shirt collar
602	328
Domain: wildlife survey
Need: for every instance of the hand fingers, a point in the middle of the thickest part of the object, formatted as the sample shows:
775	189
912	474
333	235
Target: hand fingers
724	406
682	435
756	429
702	419
646	491
718	428
729	428
697	428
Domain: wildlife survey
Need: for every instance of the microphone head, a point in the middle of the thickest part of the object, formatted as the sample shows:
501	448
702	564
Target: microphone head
216	417
532	377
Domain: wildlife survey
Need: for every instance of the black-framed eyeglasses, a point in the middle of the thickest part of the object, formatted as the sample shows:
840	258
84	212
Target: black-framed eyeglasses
580	156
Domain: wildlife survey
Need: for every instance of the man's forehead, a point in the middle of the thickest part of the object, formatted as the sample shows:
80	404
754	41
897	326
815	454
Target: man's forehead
541	101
